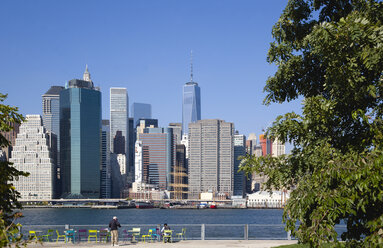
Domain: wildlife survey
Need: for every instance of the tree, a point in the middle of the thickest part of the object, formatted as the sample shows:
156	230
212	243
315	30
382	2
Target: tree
8	193
330	53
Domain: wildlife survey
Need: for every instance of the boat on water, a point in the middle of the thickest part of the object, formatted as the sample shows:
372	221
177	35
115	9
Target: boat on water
144	205
213	206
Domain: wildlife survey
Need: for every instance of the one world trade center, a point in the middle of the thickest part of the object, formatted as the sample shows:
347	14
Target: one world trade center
191	103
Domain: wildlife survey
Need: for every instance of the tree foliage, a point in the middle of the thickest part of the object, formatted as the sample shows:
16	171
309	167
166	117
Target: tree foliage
8	193
331	54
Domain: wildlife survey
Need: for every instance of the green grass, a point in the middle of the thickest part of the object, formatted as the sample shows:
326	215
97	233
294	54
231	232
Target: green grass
303	246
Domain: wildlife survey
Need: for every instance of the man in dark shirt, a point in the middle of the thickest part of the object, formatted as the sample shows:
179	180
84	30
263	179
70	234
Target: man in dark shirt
114	225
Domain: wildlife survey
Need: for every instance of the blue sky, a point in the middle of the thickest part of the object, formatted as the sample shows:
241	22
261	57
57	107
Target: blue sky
145	47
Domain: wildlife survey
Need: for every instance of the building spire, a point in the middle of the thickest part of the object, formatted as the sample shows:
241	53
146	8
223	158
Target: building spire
191	66
86	76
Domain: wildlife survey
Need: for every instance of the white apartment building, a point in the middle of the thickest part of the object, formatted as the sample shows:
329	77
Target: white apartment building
34	152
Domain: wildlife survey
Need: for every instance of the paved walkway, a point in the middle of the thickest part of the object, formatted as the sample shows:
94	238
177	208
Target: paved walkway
181	244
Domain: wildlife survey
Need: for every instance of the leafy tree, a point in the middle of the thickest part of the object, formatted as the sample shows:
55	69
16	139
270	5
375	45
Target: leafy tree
330	53
8	193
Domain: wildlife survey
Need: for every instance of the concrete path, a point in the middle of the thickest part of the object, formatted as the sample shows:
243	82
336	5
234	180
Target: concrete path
180	244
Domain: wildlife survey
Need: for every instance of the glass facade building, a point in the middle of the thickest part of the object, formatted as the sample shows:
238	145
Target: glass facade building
191	105
141	111
119	120
80	143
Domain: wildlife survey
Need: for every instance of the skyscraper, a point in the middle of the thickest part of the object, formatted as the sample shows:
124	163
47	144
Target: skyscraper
141	111
106	170
51	122
35	152
239	177
80	142
158	144
191	103
119	120
211	158
51	111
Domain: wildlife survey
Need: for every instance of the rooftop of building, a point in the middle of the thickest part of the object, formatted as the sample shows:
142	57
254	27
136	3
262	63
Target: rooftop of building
54	90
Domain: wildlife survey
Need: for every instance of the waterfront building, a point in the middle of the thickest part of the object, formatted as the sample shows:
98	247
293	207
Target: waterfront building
179	175
141	111
263	199
239	177
191	103
106	187
177	131
131	146
35	151
117	184
11	137
159	151
51	122
211	158
80	138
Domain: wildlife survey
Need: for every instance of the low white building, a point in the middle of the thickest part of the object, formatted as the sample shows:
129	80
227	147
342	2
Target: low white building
263	199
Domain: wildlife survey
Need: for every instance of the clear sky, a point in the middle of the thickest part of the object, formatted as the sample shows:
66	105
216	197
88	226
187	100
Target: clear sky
144	46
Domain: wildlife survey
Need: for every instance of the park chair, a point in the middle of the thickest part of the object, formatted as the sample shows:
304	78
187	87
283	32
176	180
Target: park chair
70	234
136	232
47	237
33	235
60	236
104	234
181	235
125	235
156	234
167	236
82	233
92	234
149	235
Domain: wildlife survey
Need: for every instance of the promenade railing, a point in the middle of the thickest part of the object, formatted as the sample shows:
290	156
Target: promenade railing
193	231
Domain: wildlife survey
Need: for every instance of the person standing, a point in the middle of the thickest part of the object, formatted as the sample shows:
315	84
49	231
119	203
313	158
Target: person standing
114	225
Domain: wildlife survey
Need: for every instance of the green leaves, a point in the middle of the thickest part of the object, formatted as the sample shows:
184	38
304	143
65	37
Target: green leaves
331	54
8	173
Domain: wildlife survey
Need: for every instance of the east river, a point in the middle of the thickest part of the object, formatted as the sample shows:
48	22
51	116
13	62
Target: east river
219	223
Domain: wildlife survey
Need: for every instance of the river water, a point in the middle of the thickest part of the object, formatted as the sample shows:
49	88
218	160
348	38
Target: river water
219	223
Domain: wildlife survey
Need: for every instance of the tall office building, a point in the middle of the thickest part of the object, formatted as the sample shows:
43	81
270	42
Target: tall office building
211	158
80	141
239	177
141	111
179	181
51	122
51	111
158	145
191	103
106	170
35	152
119	120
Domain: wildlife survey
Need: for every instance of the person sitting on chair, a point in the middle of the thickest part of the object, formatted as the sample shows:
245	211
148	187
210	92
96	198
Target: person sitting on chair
166	236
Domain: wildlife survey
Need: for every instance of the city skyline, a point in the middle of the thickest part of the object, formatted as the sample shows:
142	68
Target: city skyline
229	43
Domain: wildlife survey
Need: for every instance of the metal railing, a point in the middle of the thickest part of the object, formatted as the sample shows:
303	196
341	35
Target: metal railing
193	231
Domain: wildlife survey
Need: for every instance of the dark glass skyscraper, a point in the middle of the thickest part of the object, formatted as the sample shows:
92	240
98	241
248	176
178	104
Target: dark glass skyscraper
191	103
80	143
